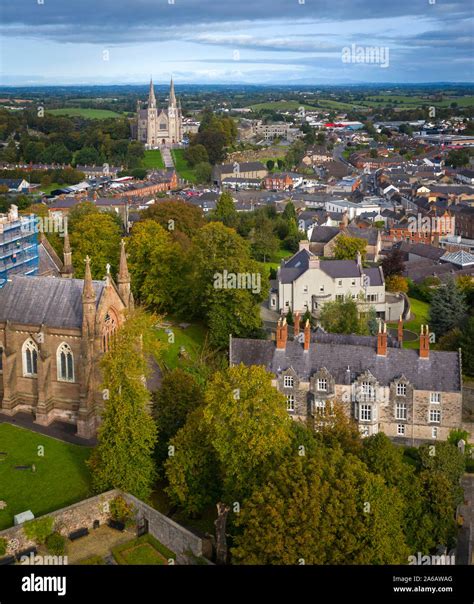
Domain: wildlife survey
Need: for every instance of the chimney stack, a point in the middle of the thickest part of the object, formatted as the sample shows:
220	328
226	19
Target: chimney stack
400	331
281	334
303	245
424	342
307	335
297	324
382	340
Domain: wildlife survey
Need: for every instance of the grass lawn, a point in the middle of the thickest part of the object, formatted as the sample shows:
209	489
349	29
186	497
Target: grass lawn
419	312
281	106
61	476
153	159
182	167
47	190
93	114
144	550
192	338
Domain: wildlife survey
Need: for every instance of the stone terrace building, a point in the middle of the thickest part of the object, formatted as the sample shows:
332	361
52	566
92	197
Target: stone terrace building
411	395
53	332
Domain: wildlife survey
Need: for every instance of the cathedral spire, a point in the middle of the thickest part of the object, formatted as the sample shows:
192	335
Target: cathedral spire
123	278
172	101
68	270
151	96
88	293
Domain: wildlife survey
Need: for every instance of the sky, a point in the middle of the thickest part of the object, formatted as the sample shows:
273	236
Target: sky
306	42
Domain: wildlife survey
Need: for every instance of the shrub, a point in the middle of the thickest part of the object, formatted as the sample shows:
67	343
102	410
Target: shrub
39	530
120	510
3	546
56	544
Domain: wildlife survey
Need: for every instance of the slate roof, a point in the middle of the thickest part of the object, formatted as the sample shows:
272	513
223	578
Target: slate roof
441	372
425	251
337	269
38	300
323	234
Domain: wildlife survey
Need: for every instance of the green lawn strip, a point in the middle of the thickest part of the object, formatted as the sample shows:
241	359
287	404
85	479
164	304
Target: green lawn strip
419	312
182	167
61	477
153	159
192	338
143	550
93	114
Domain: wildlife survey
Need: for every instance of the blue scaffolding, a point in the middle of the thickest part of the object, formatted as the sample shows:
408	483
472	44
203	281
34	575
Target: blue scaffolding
19	253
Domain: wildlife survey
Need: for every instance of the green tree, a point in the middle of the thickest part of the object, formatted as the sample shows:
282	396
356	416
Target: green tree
196	154
467	346
156	264
263	241
192	471
123	457
396	283
96	235
270	164
225	209
179	395
203	172
248	425
448	308
176	215
87	156
393	263
323	509
340	316
346	248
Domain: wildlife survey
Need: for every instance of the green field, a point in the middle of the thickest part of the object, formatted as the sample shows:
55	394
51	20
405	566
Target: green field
93	114
182	166
61	477
282	106
192	338
419	313
144	550
152	159
412	102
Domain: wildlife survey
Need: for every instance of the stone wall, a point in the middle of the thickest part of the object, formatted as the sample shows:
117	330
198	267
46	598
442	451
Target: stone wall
175	537
82	514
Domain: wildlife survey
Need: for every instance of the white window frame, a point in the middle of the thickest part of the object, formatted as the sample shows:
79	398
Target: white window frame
401	389
65	349
434	413
435	398
30	346
365	410
400	429
319	406
288	381
401	411
290	402
322	384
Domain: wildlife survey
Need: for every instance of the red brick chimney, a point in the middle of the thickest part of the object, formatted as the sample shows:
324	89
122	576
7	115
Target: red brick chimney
382	340
307	335
297	324
281	334
424	342
400	331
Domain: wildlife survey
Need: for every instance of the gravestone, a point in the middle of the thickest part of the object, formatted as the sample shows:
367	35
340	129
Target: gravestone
23	517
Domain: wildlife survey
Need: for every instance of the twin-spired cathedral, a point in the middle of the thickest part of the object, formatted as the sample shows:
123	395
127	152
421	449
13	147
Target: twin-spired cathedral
157	127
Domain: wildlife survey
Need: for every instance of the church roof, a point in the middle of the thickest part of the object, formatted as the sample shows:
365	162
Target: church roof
44	300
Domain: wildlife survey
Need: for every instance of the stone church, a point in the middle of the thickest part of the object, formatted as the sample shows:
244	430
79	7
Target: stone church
53	332
157	127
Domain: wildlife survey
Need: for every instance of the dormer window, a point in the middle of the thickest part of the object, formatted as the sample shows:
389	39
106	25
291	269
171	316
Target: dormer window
401	389
435	397
288	381
322	384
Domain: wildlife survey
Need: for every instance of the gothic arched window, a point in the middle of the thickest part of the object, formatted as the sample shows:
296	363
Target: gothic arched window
65	363
108	329
30	358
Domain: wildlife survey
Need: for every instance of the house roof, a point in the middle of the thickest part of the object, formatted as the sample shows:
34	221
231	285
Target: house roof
441	371
323	234
460	258
44	300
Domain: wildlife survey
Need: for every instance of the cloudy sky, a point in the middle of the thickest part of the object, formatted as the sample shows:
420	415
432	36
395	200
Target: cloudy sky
234	41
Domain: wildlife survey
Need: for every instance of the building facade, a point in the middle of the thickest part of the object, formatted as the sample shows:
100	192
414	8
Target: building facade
19	254
305	282
159	127
413	396
53	332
